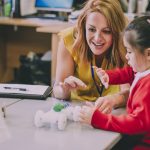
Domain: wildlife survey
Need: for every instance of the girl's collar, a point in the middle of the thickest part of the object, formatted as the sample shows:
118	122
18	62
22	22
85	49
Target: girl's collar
144	73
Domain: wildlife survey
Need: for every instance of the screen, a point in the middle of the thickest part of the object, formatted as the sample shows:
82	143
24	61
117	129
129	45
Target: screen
54	5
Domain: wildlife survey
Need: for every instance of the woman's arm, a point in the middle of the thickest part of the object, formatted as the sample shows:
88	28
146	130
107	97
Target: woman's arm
65	79
122	96
64	68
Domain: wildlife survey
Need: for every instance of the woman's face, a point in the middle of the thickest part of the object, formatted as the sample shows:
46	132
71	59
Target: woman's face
98	33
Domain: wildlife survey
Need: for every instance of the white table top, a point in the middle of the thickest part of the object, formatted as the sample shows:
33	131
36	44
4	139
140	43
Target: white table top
23	135
8	101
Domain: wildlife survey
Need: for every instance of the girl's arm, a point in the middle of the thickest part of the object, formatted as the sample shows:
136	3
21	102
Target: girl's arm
109	102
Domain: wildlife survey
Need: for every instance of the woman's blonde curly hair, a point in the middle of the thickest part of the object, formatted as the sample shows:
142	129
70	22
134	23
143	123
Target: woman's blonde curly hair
117	22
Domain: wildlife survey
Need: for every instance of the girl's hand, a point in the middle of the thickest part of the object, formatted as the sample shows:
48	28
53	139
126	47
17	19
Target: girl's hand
86	113
102	75
105	104
72	83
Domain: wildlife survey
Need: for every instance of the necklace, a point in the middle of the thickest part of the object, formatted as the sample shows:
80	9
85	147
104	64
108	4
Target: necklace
99	88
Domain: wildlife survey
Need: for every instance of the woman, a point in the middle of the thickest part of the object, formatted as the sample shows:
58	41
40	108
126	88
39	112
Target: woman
95	41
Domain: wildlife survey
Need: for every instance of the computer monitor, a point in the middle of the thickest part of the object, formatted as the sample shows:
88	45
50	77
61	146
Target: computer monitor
54	5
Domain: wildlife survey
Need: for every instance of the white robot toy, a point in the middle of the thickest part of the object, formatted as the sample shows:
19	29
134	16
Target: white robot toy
57	117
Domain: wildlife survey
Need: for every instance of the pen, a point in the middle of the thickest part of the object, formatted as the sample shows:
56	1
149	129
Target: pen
13	88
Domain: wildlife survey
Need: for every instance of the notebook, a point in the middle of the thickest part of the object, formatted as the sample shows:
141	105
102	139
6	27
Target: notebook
25	91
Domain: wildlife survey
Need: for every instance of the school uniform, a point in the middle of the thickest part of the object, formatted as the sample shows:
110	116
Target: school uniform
137	119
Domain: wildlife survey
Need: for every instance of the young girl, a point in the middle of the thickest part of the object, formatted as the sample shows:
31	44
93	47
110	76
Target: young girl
137	120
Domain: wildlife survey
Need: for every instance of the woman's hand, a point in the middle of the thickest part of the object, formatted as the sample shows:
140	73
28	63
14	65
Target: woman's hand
105	104
72	83
62	89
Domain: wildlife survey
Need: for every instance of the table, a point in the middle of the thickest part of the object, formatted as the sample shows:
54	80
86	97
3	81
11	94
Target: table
22	134
8	101
4	103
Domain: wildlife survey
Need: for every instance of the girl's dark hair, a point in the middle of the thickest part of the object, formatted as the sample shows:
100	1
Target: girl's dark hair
137	33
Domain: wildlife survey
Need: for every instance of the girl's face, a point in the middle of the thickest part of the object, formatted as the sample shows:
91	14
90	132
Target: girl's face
98	33
135	59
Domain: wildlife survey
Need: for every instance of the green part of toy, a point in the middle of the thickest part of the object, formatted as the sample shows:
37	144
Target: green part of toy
58	107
